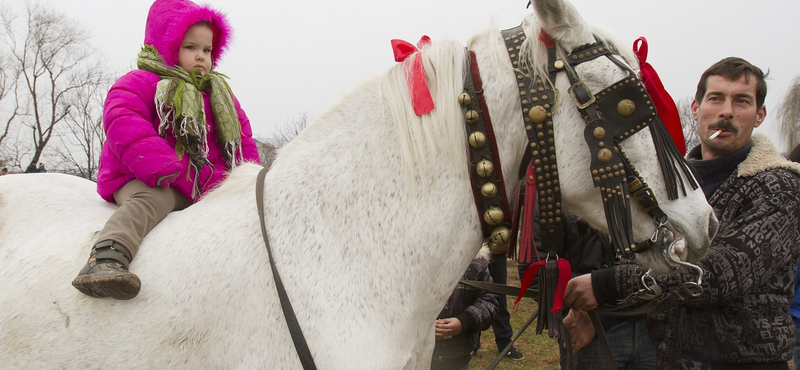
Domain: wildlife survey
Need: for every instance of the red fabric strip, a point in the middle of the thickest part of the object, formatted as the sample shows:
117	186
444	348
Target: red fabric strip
527	244
527	280
564	274
665	106
421	98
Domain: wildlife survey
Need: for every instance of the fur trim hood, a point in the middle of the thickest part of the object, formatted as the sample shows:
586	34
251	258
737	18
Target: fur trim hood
484	254
762	157
168	21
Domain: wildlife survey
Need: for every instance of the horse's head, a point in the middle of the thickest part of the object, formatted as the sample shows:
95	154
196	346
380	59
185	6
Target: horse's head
607	138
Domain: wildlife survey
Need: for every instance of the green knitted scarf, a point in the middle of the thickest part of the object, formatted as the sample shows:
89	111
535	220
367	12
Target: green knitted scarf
179	102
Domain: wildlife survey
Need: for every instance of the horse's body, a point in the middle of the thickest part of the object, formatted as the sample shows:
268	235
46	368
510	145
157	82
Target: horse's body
371	219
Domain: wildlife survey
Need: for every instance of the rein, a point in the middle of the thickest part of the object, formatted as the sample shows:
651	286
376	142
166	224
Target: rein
299	340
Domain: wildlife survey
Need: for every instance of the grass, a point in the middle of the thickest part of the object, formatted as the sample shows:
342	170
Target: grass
541	351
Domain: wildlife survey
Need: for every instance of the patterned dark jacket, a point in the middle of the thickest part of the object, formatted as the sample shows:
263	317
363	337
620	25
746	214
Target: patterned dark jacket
475	309
743	314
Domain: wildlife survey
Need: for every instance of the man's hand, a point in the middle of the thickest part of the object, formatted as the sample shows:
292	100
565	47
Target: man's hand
448	328
580	327
579	293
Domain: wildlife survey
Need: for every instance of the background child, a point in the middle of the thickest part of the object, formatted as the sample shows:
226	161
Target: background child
467	312
173	130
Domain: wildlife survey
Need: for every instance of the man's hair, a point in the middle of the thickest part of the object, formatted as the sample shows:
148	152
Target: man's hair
733	68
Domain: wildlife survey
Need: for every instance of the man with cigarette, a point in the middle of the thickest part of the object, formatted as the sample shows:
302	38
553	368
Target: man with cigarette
741	319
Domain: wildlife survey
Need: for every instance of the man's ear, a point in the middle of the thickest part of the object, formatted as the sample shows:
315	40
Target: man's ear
762	113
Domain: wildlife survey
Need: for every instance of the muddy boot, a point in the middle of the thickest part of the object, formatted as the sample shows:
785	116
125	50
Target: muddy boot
106	273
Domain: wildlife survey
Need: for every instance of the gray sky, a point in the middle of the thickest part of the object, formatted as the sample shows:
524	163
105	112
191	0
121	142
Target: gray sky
290	57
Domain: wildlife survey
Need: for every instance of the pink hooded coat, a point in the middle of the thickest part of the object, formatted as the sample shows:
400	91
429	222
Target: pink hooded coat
133	148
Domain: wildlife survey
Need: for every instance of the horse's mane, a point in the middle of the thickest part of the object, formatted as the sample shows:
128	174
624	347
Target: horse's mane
438	136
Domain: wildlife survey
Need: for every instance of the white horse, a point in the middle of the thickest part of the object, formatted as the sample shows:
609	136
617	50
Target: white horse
370	216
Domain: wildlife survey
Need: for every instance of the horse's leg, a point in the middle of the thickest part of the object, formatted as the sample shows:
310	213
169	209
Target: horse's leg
424	352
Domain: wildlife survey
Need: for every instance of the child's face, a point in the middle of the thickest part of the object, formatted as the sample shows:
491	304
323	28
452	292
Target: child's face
195	53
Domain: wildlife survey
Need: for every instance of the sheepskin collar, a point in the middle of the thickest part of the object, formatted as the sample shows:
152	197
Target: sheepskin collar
763	156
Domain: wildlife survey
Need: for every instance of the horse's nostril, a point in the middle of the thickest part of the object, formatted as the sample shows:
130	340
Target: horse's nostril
713	226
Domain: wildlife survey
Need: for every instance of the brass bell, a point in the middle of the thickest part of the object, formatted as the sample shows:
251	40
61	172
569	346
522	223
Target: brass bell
477	139
464	99
471	116
498	241
489	190
626	107
493	216
604	155
537	114
484	168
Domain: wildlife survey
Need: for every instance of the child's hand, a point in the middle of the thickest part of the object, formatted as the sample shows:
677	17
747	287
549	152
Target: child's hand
448	328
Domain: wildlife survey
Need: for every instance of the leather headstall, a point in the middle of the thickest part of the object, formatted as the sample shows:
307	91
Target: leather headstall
612	115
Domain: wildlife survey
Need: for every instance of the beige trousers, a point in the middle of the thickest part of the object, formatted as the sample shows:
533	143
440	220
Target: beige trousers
141	208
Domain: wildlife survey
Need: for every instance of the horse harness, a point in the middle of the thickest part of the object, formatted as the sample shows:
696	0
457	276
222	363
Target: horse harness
628	105
611	116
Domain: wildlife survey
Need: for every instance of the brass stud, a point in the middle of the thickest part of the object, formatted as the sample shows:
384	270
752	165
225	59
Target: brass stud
626	107
605	155
477	139
558	64
537	114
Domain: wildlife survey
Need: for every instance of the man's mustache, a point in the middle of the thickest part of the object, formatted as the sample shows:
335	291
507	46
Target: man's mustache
724	125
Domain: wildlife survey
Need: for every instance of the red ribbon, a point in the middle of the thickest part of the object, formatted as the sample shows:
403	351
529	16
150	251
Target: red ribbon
665	106
421	98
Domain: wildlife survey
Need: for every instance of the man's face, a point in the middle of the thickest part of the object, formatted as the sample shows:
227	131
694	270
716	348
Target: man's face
729	106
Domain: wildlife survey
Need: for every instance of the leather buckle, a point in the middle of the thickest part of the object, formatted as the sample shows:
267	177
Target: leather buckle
585	91
646	198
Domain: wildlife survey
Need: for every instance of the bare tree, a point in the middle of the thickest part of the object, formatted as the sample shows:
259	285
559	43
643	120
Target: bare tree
268	151
54	60
689	125
291	129
83	136
789	117
8	99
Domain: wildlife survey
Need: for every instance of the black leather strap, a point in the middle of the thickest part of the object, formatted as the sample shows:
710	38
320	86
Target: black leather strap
299	340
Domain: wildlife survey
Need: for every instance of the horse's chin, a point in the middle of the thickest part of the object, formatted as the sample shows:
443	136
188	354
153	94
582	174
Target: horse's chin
659	262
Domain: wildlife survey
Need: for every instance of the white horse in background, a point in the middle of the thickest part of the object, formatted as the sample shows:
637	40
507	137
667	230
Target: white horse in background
370	216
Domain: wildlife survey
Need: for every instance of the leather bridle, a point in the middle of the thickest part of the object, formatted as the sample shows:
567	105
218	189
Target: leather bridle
611	115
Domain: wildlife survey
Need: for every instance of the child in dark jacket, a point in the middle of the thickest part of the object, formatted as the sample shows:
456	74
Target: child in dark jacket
467	312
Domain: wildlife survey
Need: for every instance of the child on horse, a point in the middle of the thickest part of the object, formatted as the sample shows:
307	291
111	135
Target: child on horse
173	129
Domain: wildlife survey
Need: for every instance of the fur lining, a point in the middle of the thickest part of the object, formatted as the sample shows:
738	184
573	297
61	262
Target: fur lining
763	156
168	21
484	253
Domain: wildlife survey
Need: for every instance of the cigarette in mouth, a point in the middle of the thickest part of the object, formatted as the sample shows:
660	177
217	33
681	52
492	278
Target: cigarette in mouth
715	134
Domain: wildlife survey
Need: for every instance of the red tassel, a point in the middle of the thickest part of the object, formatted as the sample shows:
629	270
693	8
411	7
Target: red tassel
665	106
526	241
527	280
564	274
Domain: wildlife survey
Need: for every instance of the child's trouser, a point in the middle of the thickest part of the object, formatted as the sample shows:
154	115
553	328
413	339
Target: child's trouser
141	208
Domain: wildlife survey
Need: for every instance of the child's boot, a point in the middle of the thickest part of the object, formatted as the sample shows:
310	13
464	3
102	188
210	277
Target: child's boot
106	273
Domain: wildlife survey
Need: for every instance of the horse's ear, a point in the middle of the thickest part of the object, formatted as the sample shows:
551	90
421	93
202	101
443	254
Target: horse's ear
563	22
